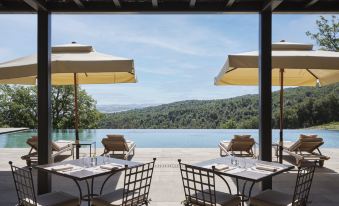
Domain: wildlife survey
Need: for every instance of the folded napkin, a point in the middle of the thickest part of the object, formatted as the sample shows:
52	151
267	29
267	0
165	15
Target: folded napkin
220	167
266	167
111	166
62	167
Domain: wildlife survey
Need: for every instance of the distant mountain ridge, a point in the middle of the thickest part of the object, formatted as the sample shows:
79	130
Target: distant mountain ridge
304	107
113	108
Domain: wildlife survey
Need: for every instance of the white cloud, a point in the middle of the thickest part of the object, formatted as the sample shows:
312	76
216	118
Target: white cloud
178	33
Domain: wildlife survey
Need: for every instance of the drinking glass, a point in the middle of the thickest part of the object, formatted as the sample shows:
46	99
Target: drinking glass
106	158
234	161
242	163
93	161
250	163
84	160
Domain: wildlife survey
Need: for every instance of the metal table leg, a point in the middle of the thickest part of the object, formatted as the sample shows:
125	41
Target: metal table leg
90	191
242	195
80	192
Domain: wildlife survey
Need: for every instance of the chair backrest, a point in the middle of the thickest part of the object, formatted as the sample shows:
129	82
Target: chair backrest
137	183
199	185
306	145
23	181
33	142
241	144
303	185
115	143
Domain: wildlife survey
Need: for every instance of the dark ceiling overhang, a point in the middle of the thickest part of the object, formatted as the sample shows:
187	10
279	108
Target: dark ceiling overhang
169	6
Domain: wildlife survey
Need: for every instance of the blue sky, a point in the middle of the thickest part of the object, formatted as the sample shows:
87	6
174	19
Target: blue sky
176	56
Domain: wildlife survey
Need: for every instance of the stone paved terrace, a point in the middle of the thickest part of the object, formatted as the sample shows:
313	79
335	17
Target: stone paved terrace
167	186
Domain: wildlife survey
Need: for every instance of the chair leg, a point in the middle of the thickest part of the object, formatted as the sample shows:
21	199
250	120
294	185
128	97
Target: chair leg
321	163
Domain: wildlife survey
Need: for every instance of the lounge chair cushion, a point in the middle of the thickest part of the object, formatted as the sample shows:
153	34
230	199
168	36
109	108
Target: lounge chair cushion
113	199
57	199
303	136
271	198
222	199
116	137
241	137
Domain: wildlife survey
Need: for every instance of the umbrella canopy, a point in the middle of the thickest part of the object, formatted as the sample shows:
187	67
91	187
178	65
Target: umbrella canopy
302	66
293	64
90	66
71	64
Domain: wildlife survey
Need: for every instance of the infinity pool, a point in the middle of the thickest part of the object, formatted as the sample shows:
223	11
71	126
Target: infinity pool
166	138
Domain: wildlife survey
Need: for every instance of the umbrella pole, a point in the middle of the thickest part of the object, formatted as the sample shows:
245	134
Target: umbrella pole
76	115
281	138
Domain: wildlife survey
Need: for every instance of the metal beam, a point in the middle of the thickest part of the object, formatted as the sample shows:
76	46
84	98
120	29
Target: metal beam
168	6
155	3
265	90
117	3
79	3
311	3
230	3
192	3
44	99
272	4
36	4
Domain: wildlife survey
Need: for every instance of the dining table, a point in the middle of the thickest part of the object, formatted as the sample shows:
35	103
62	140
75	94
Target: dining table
249	170
86	170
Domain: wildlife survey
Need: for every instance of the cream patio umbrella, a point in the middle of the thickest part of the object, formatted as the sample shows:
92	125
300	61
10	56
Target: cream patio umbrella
71	64
293	64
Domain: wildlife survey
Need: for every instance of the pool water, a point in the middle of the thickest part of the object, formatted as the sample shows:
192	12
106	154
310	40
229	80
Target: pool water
166	138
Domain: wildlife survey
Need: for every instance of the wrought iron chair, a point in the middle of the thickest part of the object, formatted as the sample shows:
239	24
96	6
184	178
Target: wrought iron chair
299	198
137	183
23	181
199	188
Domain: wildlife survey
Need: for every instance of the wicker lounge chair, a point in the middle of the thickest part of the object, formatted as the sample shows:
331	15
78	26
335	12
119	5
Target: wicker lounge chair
306	149
240	145
135	192
277	198
119	146
24	185
58	147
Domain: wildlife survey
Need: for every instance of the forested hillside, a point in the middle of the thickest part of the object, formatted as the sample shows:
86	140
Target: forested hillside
304	107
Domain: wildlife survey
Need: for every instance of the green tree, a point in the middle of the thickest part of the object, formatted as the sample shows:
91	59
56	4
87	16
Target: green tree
230	124
19	107
327	34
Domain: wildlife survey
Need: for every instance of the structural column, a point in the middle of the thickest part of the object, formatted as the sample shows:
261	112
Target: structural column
265	89
44	98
